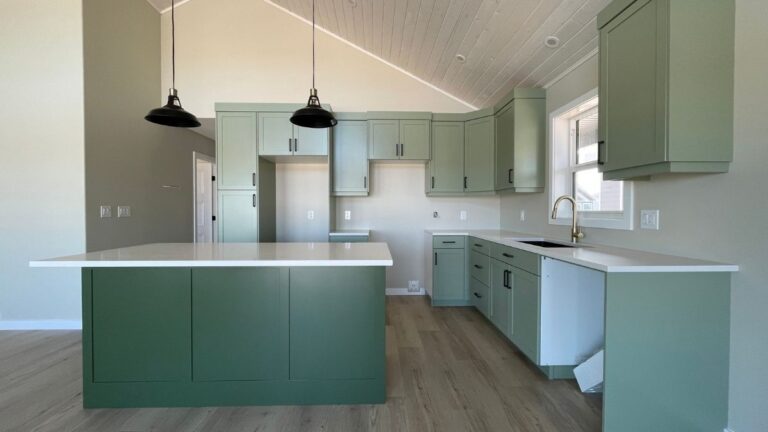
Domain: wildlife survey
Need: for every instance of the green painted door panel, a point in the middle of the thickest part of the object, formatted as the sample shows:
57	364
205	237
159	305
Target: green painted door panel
529	148
240	326
275	134
236	150
448	277
414	139
238	217
501	297
310	142
141	325
383	139
350	158
526	312
478	155
630	72
480	297
505	147
337	323
446	169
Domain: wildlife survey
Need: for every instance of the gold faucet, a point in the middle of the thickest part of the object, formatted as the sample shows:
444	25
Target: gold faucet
576	233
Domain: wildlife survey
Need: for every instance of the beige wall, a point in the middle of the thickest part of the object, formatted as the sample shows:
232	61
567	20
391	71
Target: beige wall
719	217
41	142
250	51
128	159
301	188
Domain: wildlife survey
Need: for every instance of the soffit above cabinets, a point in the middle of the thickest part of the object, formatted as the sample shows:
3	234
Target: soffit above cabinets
502	41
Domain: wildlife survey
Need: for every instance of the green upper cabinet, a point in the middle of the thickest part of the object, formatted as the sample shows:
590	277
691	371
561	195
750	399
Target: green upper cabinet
478	155
520	142
350	158
279	137
236	150
666	87
446	169
392	139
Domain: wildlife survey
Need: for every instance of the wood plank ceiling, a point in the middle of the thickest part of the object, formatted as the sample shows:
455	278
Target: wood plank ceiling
501	41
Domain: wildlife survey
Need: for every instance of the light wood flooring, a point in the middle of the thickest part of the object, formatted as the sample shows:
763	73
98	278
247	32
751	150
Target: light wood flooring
448	369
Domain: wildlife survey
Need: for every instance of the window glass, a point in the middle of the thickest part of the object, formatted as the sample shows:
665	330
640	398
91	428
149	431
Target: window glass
594	195
586	138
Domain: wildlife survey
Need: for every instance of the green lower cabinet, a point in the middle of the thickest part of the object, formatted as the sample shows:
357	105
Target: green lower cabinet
449	278
501	297
240	326
480	297
141	318
526	312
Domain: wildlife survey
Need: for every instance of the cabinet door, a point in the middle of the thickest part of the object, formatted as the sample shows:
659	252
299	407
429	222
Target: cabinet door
448	280
275	134
501	297
446	169
628	72
414	139
526	312
350	158
141	324
505	147
478	155
529	143
383	139
236	150
310	142
238	217
240	325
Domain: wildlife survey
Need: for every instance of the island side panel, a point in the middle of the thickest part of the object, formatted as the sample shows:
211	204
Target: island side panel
666	352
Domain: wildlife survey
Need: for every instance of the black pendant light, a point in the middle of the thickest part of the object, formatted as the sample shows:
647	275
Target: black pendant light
172	114
313	115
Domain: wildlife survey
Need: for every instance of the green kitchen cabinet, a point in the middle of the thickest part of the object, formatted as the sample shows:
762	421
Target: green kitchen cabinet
350	158
238	216
394	139
526	312
279	137
236	150
665	87
240	326
449	277
520	142
480	297
446	168
501	297
478	155
141	318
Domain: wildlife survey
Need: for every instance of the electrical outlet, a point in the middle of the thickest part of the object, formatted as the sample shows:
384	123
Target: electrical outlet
311	215
435	215
347	215
649	219
105	211
522	215
463	215
123	211
413	286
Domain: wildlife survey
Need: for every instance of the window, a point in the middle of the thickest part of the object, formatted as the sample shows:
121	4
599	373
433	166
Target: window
573	137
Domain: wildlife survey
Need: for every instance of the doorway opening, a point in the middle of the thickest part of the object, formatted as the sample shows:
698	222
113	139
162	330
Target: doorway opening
204	175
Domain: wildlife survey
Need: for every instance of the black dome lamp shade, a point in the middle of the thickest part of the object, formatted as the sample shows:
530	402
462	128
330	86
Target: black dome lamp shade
313	115
172	114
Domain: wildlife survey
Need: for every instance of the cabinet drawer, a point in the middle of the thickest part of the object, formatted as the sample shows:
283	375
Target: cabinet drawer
480	245
519	258
479	267
448	242
479	296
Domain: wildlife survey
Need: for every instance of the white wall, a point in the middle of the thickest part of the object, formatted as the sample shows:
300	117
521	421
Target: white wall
299	189
250	51
719	217
398	211
41	141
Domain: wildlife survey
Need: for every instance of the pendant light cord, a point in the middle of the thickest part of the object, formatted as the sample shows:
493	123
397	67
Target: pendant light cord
313	43
173	42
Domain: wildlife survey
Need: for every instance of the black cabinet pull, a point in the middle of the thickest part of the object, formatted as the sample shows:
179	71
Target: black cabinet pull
478	245
295	144
465	182
478	267
253	200
477	295
448	242
365	182
509	176
290	147
601	152
508	255
435	258
397	149
433	182
253	179
506	279
402	150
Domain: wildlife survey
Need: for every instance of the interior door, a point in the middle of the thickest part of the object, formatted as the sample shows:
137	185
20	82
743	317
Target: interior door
275	134
204	169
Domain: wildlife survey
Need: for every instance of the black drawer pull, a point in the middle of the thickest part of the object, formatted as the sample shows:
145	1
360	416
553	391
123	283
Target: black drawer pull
477	295
508	255
478	245
449	242
478	267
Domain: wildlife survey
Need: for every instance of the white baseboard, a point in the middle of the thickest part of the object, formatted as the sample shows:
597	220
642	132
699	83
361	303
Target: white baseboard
404	292
42	325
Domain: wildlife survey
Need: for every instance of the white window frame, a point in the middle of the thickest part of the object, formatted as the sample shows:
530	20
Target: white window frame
562	165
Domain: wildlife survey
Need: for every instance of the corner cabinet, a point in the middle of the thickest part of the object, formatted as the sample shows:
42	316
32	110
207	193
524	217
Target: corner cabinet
350	158
520	142
399	139
665	87
478	155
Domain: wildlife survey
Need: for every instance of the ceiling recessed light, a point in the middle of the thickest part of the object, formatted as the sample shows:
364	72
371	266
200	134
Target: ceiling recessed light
552	42
460	58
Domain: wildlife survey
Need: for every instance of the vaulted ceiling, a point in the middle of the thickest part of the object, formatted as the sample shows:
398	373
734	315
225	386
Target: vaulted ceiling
475	50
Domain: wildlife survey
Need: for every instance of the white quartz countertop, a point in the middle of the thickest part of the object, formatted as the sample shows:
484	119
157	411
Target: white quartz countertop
603	258
231	255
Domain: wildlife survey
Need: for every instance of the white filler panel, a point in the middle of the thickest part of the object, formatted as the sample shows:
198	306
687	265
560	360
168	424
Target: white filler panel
572	312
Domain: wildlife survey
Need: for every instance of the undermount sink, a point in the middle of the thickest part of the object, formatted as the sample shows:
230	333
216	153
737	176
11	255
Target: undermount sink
546	244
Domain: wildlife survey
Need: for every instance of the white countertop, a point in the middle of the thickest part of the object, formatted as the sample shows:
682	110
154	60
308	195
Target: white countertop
231	255
366	233
603	258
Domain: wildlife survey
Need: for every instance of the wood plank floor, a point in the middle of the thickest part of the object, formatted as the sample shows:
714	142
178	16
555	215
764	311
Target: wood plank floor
448	369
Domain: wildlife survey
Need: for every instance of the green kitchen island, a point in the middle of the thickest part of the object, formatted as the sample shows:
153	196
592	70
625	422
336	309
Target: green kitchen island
217	324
